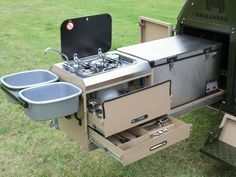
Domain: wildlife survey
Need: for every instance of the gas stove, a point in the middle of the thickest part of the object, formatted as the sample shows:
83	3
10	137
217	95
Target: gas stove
97	64
96	71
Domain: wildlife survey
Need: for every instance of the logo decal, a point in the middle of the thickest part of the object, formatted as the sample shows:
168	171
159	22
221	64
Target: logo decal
215	4
70	25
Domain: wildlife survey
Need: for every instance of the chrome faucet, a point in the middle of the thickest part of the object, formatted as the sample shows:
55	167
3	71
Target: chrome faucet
58	52
66	64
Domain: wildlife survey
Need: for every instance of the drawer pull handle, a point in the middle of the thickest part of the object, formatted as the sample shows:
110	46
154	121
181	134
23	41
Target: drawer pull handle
139	119
158	145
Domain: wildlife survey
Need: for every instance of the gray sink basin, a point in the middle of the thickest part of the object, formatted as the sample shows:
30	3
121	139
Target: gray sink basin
26	79
49	101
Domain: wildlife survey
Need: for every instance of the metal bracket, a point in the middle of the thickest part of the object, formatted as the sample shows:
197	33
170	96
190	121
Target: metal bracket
94	127
14	97
78	119
54	124
214	136
233	30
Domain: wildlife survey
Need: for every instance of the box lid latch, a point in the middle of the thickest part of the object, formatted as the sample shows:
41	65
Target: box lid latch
171	62
207	52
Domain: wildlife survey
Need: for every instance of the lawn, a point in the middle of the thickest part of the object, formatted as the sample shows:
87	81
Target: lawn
29	148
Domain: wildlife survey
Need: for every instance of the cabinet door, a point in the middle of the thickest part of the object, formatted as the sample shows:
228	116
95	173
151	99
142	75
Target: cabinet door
135	108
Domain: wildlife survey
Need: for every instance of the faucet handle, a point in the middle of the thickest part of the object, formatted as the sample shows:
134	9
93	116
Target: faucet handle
76	59
99	50
75	56
101	55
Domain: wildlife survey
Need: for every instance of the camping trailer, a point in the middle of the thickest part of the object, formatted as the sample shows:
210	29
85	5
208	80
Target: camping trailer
126	101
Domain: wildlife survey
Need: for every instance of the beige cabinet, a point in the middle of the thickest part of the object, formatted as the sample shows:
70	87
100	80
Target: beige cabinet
128	129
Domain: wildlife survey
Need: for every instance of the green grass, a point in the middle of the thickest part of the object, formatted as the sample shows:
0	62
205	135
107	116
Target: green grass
29	148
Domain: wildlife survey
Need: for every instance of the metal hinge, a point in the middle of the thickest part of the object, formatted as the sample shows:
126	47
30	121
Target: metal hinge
213	136
141	24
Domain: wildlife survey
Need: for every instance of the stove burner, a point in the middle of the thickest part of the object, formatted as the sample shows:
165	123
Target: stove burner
98	64
88	70
111	60
87	67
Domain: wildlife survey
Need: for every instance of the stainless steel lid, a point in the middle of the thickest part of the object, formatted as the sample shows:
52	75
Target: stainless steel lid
178	47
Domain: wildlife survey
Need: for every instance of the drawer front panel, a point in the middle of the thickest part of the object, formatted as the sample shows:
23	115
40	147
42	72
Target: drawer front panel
131	110
155	144
145	146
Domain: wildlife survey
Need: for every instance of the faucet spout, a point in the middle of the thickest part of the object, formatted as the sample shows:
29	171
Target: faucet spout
56	51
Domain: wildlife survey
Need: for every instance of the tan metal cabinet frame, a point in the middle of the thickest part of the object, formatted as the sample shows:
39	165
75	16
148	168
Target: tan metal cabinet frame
151	29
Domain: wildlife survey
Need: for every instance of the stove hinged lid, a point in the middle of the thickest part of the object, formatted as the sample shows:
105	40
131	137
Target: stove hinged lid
85	35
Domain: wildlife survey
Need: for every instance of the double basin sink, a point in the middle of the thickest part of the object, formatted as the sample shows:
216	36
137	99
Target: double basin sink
41	95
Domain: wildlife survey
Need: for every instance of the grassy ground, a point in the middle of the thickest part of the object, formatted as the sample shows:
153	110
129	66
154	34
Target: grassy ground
29	148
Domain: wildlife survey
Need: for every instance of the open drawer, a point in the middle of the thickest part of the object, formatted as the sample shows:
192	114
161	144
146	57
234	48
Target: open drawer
143	140
132	109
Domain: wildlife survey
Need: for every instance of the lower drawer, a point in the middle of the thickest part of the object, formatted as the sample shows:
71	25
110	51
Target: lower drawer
139	142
